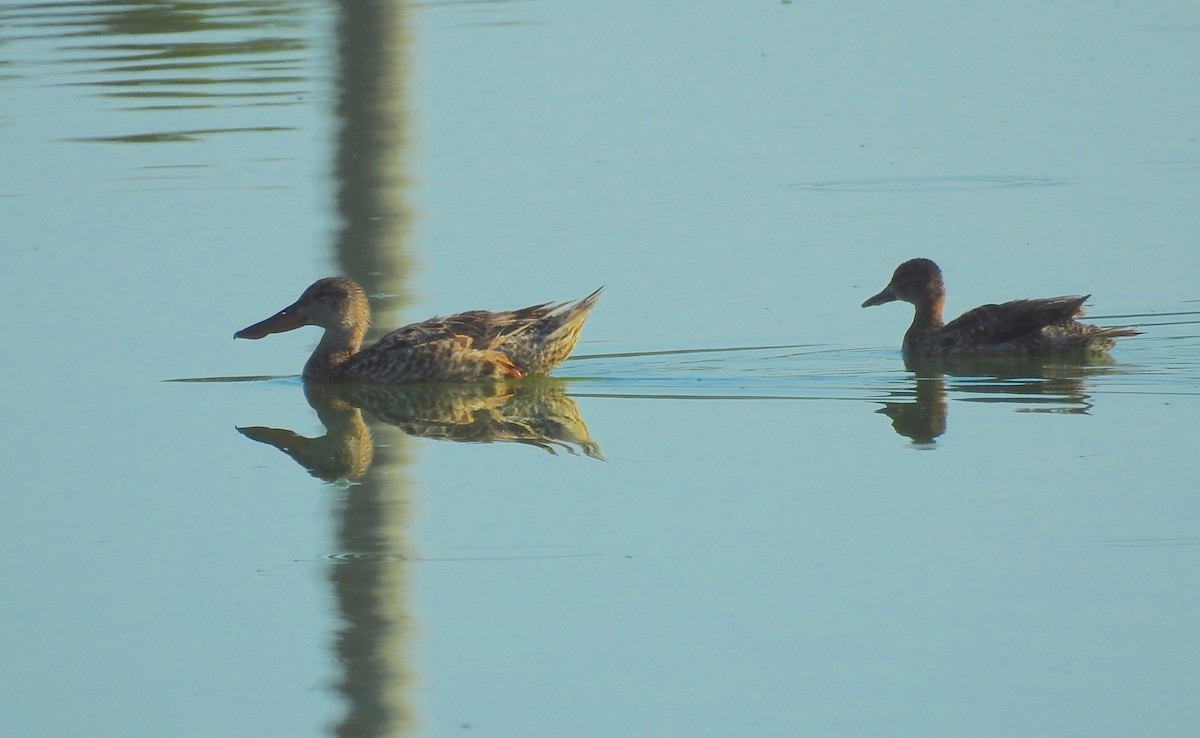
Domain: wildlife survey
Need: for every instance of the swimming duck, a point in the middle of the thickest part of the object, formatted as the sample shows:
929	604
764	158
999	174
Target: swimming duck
470	346
1018	328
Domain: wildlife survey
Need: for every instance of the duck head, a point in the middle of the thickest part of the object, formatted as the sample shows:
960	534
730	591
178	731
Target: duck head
918	281
336	304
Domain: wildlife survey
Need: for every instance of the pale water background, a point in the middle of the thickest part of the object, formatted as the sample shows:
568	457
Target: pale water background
801	537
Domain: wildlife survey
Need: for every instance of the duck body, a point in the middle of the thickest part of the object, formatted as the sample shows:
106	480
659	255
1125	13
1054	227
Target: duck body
464	347
1033	327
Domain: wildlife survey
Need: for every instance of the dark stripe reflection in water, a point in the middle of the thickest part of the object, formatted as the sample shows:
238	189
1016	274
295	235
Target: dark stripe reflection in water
169	57
153	86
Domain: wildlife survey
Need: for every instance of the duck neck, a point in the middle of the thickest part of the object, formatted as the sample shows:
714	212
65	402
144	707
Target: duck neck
927	319
335	349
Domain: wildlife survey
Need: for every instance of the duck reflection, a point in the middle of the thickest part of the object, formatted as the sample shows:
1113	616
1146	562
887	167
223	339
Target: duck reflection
534	412
1058	386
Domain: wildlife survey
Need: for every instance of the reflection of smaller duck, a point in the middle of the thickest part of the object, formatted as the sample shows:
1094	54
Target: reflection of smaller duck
1017	328
924	418
534	412
1059	386
466	346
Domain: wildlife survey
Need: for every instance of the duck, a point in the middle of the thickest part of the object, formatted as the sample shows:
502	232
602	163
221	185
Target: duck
476	345
1032	327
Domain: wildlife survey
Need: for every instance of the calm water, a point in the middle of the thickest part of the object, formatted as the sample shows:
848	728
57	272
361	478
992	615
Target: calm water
737	512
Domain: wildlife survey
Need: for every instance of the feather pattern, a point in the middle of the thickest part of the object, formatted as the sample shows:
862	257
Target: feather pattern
468	346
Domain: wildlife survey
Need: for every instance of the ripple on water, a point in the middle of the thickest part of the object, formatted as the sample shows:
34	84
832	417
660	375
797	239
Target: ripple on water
518	554
1150	542
358	558
927	184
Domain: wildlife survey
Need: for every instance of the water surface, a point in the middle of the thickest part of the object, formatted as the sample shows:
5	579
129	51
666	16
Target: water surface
737	510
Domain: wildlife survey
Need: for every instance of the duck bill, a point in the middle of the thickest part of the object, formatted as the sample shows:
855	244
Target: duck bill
882	297
284	320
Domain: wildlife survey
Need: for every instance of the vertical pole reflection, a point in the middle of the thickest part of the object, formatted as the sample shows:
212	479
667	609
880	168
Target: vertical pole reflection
369	582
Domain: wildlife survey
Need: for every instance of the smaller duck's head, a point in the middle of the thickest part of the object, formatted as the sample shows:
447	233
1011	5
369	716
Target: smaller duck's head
333	303
916	281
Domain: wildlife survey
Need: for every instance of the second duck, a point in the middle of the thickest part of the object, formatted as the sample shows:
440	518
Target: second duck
1018	328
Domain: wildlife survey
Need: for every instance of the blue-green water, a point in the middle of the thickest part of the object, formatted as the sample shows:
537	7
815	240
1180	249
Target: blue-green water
756	520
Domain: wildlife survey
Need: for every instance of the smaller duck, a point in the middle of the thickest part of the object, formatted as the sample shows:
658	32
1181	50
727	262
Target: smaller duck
471	346
1035	327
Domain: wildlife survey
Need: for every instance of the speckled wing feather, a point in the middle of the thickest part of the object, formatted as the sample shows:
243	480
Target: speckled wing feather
1011	321
538	345
477	344
1022	327
487	328
427	351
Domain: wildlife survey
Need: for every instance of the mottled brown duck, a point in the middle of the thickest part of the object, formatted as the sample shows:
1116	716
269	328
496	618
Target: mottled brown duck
471	346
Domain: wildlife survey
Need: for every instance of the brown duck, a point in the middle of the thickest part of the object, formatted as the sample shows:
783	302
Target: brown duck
1034	327
465	347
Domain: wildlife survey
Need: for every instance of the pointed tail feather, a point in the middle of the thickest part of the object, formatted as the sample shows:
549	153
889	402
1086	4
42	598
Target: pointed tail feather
1116	331
578	312
1104	336
565	324
539	347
